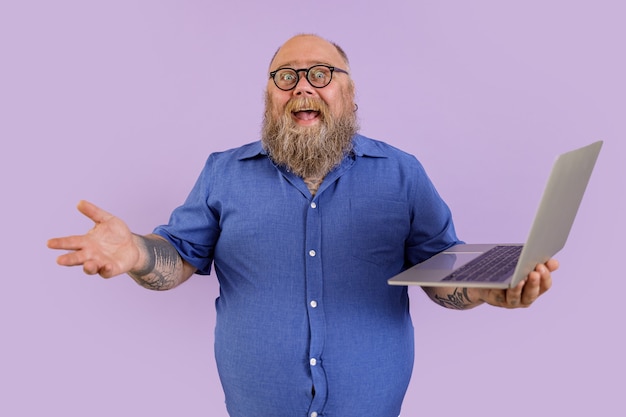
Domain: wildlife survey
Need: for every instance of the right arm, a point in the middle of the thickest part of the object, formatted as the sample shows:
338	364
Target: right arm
110	249
162	267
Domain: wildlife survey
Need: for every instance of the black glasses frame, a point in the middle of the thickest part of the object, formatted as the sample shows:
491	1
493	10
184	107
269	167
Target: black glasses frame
306	70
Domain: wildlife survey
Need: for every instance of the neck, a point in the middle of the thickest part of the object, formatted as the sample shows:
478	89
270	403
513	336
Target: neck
313	183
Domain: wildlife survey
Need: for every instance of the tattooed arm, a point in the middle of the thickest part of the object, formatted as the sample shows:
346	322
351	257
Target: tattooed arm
523	295
110	249
161	268
453	298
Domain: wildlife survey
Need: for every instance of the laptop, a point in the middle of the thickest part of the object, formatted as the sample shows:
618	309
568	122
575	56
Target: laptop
505	265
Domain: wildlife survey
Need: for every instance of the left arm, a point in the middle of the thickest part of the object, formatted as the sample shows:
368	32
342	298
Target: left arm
523	295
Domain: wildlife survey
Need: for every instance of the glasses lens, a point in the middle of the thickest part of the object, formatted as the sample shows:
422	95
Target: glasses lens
319	76
285	78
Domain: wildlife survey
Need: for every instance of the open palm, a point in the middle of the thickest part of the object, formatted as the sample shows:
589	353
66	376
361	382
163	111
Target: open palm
108	249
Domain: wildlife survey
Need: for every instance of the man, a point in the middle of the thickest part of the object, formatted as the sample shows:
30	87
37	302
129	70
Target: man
303	228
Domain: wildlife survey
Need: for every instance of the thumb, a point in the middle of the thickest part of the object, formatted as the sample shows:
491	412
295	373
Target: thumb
92	211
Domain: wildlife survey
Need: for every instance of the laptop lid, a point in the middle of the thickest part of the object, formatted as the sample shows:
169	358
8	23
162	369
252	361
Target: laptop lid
555	216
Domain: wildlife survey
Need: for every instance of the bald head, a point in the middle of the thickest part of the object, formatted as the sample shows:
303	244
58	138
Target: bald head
309	45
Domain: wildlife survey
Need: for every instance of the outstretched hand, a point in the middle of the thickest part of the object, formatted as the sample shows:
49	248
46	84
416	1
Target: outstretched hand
108	249
526	292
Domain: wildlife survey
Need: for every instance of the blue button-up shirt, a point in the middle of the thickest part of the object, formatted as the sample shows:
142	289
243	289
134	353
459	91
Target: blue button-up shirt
306	323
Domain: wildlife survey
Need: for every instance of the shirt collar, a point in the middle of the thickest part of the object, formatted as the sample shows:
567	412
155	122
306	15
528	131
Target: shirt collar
361	147
367	147
251	150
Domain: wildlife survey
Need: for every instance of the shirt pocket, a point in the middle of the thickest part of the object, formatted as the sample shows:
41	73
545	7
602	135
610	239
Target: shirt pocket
378	230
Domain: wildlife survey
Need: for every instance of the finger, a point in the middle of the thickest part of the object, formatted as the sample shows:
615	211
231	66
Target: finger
67	243
531	289
514	295
72	259
106	271
552	265
92	211
90	267
545	277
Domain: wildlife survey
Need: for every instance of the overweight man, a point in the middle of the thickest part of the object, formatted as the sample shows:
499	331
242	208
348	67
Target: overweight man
303	228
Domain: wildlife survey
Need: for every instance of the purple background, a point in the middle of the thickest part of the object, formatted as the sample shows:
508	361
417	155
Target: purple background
120	102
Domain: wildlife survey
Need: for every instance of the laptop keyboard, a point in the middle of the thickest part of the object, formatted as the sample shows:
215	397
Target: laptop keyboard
495	265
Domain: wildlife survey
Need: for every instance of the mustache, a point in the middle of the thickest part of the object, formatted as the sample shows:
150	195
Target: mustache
297	104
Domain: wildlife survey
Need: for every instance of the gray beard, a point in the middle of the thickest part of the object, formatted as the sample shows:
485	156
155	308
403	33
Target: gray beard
308	151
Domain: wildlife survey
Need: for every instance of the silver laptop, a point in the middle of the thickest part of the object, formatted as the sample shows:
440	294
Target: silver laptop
505	265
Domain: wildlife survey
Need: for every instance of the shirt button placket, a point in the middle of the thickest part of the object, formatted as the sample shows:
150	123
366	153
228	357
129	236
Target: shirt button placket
313	303
314	290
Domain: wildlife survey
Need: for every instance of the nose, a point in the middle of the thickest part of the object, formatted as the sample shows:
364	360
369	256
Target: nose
303	87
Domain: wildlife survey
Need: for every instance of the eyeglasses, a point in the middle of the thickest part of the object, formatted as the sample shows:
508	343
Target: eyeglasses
319	76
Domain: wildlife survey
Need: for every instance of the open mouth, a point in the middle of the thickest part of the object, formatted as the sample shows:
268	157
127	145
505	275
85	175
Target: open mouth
306	115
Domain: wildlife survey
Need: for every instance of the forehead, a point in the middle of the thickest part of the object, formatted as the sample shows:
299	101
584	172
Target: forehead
303	51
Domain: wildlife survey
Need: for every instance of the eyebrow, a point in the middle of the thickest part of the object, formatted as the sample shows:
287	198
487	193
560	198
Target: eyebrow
292	65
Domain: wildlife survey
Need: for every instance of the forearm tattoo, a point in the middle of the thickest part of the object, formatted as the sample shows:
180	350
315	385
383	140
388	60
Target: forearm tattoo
162	266
458	300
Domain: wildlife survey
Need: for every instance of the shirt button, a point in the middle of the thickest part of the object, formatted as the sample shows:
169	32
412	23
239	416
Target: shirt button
313	414
311	252
313	361
313	205
313	303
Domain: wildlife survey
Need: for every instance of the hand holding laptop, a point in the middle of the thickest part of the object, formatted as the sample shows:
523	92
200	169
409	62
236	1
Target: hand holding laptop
523	294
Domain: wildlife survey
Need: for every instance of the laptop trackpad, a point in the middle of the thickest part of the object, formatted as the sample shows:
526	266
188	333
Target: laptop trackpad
449	261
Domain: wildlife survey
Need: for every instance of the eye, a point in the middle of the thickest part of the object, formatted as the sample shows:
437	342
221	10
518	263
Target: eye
318	74
287	76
